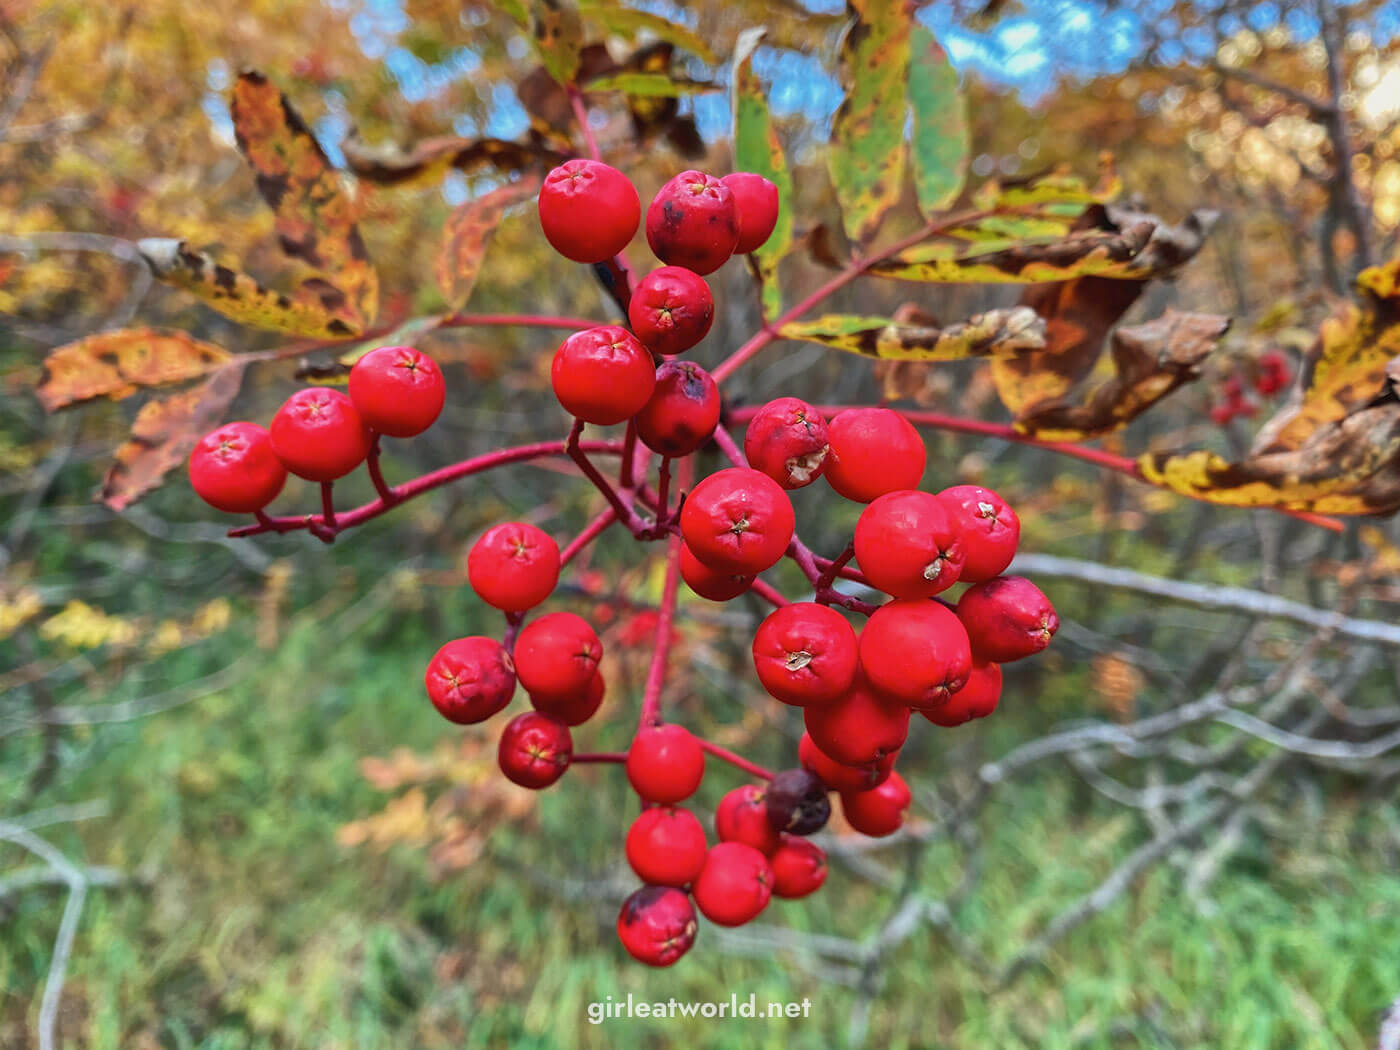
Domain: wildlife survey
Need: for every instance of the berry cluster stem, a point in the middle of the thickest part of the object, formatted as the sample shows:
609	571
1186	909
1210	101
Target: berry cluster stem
661	647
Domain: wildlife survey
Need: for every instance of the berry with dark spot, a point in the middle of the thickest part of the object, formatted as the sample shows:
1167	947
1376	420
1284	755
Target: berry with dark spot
682	412
693	222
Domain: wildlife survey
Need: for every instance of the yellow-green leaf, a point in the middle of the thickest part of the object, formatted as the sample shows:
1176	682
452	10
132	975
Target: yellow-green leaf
995	332
867	152
940	141
467	234
240	296
628	22
557	32
757	149
118	364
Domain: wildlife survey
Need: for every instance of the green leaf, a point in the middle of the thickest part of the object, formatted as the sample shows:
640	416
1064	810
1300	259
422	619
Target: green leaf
757	149
626	21
557	32
941	138
1004	332
651	85
866	158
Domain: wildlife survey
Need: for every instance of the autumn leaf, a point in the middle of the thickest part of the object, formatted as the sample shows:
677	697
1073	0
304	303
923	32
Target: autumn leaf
1149	362
629	22
651	85
982	335
315	217
557	33
239	296
467	233
163	435
867	153
428	161
940	144
118	364
757	149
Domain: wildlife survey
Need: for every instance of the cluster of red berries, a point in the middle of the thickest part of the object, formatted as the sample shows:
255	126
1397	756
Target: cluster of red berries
1271	375
319	433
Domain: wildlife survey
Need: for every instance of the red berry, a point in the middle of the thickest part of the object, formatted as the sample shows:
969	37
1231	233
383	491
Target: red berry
738	521
588	210
879	811
988	527
859	728
666	846
665	763
514	566
976	699
1222	412
915	652
907	545
873	451
707	583
671	309
535	750
1274	373
734	885
318	434
787	440
693	222
742	816
470	679
805	653
603	375
839	777
656	925
398	390
757	201
556	657
799	867
234	468
577	708
682	412
1007	619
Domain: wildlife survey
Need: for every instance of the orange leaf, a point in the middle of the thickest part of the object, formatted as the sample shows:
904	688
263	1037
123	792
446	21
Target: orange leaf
118	364
466	235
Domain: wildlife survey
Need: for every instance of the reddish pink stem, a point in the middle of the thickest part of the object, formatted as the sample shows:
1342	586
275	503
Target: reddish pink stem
661	648
724	754
376	475
730	449
769	593
591	532
833	569
581	118
328	504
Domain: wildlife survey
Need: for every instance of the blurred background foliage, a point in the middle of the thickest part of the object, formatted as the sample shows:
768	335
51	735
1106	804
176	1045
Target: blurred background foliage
305	856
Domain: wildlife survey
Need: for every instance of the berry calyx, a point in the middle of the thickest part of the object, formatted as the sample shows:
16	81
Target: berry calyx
840	777
797	803
742	816
738	521
656	925
470	679
671	310
976	699
907	545
513	566
734	885
1007	619
805	653
707	582
988	527
693	222
603	375
666	846
665	763
861	727
915	652
318	434
535	750
577	708
799	867
682	412
589	211
873	451
556	657
757	201
787	440
235	469
879	811
397	390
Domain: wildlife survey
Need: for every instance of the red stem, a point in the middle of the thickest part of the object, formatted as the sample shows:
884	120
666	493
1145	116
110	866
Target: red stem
661	648
425	483
597	756
328	504
581	117
591	532
377	476
728	446
726	755
625	513
629	454
833	569
769	593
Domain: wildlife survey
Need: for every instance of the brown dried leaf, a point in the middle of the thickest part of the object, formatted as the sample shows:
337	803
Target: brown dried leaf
429	160
466	235
118	364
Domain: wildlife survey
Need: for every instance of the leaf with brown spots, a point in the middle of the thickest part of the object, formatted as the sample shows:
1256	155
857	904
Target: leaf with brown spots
238	295
118	364
429	160
315	216
940	143
629	22
757	149
466	235
995	332
1149	362
867	153
557	33
164	434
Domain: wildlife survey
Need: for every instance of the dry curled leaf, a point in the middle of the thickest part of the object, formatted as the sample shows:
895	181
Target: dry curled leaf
995	332
466	235
426	162
118	364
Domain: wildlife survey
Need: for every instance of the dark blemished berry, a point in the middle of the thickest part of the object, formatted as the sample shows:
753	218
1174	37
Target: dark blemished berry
693	222
657	925
797	802
682	412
